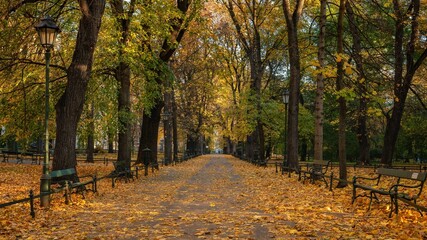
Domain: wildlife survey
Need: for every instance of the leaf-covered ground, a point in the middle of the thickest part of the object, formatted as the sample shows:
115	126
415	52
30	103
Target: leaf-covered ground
210	197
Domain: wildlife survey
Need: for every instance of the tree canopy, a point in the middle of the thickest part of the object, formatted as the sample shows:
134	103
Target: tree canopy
220	68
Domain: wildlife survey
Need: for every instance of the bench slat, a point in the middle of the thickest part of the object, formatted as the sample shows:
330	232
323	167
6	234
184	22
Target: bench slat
63	172
419	176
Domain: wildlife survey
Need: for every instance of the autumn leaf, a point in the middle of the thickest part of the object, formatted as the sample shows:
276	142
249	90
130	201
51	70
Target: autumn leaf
214	196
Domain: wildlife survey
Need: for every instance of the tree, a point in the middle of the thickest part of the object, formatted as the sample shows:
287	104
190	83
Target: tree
70	105
251	21
319	116
292	18
122	73
362	114
341	100
406	17
151	115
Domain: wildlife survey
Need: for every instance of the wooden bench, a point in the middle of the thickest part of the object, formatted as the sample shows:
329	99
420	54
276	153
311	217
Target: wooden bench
68	185
317	170
404	185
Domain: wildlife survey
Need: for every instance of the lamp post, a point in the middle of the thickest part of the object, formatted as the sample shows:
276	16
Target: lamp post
285	101
167	137
47	31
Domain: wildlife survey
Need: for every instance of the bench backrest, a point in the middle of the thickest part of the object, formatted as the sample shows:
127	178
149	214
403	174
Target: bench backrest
321	166
399	173
321	162
62	172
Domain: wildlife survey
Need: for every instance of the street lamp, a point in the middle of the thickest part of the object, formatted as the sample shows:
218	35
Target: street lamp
167	132
285	152
47	31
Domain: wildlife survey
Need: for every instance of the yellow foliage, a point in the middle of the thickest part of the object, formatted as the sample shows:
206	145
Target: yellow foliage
348	70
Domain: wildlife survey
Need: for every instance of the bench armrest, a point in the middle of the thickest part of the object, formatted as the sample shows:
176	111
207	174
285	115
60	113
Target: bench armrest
356	178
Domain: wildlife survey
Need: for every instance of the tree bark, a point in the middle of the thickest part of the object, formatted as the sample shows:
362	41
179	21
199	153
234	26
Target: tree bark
167	122
175	128
110	142
341	99
124	149
292	19
90	137
318	111
70	104
362	132
150	132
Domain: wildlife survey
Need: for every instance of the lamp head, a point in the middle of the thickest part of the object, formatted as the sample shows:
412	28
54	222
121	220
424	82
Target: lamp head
47	31
286	96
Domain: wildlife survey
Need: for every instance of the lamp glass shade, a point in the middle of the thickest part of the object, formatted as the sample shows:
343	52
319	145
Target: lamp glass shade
286	97
47	31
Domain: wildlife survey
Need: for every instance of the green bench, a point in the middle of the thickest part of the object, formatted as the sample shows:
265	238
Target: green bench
317	170
35	158
9	155
124	172
58	178
404	185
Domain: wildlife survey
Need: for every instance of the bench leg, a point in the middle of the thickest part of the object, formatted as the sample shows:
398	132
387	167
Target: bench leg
393	205
94	184
67	195
371	196
419	210
353	198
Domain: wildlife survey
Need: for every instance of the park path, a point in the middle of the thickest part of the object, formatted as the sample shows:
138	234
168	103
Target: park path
202	198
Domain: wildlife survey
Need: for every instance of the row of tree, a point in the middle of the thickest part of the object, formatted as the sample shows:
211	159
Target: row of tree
210	68
362	57
108	53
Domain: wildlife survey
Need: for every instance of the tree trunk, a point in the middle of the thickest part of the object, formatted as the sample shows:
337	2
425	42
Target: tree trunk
70	104
292	19
122	75
125	136
341	99
110	142
150	132
304	147
175	128
167	120
362	134
319	114
90	139
192	143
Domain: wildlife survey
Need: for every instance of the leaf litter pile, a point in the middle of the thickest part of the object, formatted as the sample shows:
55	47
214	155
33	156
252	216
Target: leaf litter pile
210	197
